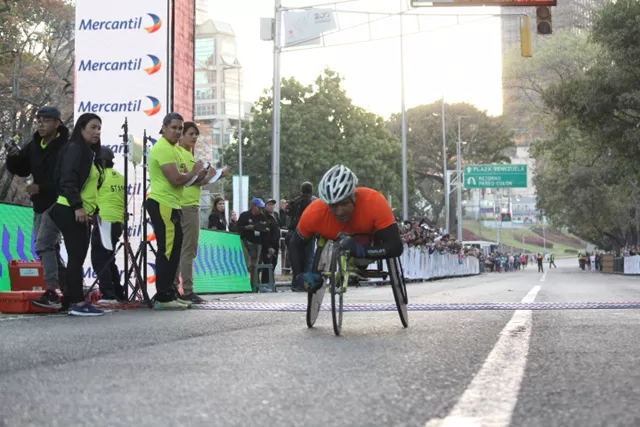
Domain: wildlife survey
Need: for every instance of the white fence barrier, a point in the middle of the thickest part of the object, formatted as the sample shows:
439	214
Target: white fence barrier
419	264
632	264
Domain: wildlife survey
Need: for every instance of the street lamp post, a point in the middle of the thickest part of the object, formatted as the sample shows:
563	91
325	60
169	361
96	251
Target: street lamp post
237	67
405	180
239	138
460	182
445	175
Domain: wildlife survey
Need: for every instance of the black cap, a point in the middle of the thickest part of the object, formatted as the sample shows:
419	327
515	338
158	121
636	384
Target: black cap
107	154
171	116
271	201
48	111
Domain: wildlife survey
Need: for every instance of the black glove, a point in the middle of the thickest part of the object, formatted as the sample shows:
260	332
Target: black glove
355	249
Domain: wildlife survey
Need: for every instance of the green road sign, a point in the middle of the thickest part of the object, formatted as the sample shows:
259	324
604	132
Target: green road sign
495	176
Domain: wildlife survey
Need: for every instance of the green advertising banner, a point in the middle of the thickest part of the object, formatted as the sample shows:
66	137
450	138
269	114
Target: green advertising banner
18	242
219	267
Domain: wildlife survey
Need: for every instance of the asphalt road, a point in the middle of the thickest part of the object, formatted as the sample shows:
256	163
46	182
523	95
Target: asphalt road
240	368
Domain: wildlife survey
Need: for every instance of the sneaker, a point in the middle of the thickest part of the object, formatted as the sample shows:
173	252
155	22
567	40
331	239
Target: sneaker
195	299
49	299
169	305
85	310
183	301
108	301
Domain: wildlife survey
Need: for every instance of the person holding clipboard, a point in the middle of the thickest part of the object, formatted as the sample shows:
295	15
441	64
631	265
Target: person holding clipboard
190	203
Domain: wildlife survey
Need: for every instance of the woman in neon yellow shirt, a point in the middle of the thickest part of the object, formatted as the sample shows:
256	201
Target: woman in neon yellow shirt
78	176
190	213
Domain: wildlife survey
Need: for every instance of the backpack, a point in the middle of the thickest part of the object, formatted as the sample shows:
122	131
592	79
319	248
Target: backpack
295	210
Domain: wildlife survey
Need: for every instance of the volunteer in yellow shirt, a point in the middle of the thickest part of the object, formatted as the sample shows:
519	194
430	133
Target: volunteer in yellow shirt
111	200
78	177
168	174
190	214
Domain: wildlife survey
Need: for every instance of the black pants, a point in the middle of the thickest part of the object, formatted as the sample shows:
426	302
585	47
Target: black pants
76	237
168	230
273	261
540	268
104	263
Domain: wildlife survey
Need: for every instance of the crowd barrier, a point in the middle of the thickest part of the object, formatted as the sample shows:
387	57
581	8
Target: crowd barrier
631	265
419	264
219	267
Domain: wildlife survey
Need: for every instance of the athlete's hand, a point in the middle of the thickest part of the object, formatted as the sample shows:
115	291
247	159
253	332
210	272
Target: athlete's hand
310	281
355	249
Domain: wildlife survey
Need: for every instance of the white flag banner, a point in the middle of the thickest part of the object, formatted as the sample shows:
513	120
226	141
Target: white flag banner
306	28
121	65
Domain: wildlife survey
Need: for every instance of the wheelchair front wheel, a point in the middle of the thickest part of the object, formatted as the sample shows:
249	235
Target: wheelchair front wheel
314	303
399	287
336	278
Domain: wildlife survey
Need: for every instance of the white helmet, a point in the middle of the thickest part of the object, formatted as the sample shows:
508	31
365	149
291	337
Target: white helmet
337	184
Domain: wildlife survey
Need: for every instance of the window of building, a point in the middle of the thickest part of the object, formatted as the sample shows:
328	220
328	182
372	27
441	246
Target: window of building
205	53
205	77
205	110
205	93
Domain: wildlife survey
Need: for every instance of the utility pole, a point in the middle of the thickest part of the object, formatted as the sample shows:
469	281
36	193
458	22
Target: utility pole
444	161
460	181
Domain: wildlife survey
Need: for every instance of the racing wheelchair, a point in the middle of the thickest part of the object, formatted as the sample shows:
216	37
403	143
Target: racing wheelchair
337	268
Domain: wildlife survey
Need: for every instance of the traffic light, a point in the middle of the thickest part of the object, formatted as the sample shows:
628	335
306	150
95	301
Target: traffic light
543	17
525	36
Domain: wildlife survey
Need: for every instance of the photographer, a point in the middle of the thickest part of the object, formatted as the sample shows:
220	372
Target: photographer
254	232
38	159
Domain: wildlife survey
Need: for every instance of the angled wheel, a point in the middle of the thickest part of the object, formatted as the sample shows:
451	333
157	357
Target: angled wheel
314	300
399	287
335	283
314	303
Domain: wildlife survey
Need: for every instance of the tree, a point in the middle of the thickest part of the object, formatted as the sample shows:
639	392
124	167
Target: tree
36	68
487	138
320	127
590	179
555	60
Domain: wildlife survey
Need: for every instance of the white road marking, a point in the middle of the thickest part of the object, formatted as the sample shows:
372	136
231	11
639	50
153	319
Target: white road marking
492	395
544	276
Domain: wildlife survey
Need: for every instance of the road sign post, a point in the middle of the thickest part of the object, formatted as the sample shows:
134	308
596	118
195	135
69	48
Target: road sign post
495	176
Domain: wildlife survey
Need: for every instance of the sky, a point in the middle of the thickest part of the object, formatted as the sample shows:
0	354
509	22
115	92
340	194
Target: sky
455	57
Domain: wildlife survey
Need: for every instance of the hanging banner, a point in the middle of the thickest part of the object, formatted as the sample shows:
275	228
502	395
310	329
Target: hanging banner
121	71
306	28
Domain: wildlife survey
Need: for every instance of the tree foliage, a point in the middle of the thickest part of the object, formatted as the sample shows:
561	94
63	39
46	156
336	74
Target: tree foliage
36	68
488	140
320	127
588	177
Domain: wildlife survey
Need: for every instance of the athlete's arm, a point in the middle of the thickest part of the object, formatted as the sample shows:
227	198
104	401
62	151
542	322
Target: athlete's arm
390	245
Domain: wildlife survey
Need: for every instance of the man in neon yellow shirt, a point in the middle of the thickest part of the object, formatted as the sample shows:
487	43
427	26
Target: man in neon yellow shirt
168	174
190	214
112	210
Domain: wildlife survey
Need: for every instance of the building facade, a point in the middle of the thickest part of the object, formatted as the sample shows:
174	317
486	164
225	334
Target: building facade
217	85
183	62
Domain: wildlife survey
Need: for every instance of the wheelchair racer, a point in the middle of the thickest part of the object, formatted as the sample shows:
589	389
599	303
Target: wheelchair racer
344	210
